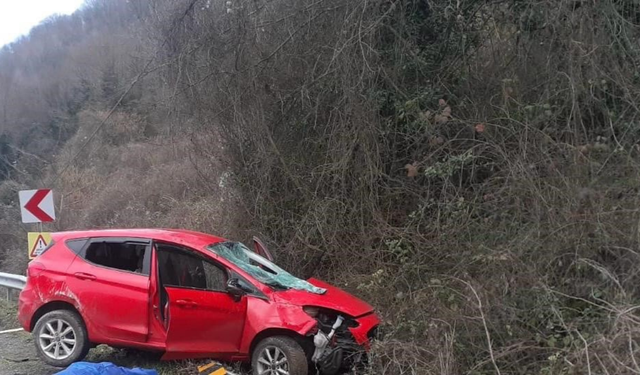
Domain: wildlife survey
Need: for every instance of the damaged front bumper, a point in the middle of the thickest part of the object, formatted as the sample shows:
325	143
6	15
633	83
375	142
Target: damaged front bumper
342	342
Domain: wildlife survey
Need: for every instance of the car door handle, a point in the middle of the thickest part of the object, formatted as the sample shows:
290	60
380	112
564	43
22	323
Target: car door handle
84	276
186	303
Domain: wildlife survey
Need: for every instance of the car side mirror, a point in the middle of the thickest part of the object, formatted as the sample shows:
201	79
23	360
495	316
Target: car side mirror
235	289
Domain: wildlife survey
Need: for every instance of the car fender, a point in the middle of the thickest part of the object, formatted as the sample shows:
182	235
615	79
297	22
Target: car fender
265	315
57	291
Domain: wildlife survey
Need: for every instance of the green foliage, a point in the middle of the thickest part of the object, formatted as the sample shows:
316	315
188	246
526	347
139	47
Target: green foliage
452	164
400	250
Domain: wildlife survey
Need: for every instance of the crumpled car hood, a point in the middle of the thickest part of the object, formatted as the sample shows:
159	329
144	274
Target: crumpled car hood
335	299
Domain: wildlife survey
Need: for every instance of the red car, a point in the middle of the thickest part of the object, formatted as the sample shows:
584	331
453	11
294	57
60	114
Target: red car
188	295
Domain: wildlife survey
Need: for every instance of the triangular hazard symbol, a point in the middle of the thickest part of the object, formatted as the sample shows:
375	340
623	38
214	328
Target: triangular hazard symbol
38	247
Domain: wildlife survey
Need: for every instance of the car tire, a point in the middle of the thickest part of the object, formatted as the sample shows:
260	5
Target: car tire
61	338
271	352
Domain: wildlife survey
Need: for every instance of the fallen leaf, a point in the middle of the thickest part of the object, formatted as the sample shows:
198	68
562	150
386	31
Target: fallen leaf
446	112
440	119
442	102
435	141
479	127
412	170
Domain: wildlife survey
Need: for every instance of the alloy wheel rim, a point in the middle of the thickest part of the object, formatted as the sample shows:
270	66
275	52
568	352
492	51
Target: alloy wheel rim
272	361
57	339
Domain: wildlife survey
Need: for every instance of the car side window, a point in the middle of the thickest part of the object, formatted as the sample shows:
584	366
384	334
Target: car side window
120	255
180	267
76	245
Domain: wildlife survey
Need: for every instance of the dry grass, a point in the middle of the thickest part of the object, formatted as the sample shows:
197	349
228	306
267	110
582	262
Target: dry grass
511	237
8	313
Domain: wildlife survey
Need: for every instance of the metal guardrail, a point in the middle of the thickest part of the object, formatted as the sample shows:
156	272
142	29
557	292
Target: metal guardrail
11	281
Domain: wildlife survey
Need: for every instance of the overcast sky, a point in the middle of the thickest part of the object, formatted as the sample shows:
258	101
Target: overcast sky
17	17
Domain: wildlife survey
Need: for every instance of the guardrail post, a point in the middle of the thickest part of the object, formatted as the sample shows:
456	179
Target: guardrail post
8	294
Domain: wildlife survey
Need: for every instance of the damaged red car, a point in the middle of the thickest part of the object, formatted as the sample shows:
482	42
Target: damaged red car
188	295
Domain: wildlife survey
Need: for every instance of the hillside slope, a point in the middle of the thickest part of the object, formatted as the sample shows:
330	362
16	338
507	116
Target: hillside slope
474	163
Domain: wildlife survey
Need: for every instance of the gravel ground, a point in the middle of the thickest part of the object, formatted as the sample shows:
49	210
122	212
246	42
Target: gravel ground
18	354
17	351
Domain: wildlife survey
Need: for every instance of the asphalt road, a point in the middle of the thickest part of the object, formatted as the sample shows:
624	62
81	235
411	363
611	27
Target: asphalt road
18	353
18	356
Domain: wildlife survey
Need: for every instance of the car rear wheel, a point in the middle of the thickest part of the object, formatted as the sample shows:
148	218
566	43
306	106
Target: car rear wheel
61	338
279	355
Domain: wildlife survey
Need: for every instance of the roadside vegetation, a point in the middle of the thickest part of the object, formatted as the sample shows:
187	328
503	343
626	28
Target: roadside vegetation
8	315
469	167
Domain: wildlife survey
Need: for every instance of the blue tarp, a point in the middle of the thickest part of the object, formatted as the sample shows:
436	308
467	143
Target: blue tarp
104	368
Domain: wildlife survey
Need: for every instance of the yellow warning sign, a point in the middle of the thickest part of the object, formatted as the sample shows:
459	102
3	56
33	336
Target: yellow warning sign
38	241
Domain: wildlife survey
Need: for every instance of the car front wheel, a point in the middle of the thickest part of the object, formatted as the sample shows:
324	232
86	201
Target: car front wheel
279	355
61	338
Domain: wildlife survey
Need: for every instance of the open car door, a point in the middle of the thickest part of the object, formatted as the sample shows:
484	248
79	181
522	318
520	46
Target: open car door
202	318
261	249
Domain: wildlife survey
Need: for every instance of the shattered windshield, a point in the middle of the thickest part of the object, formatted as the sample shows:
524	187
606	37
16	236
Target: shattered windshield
262	269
